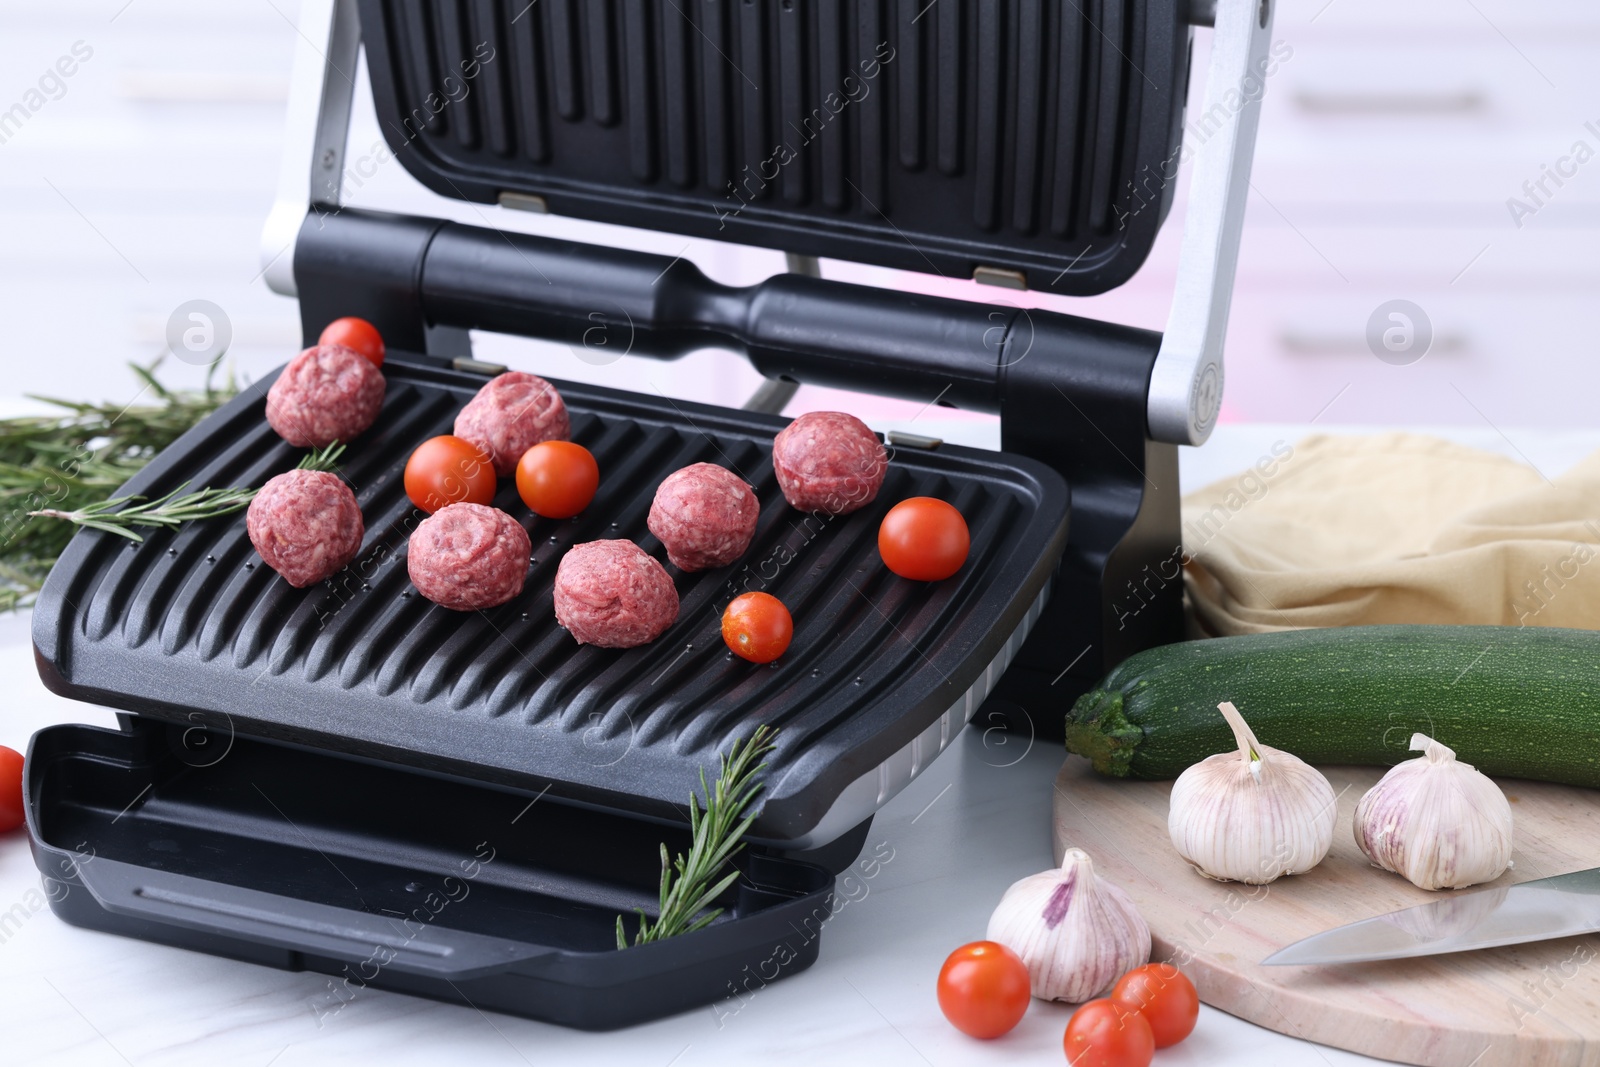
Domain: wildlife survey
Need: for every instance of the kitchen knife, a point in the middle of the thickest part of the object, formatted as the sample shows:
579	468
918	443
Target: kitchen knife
1561	906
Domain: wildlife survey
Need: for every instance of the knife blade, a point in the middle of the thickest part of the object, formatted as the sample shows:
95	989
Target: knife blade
1537	910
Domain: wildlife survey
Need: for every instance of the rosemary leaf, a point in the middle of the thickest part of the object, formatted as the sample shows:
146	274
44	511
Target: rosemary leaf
323	459
147	375
690	883
74	458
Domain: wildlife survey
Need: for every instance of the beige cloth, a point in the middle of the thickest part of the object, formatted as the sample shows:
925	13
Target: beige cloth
1344	531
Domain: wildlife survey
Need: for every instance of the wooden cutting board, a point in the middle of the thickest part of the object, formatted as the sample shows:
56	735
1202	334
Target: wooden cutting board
1533	1005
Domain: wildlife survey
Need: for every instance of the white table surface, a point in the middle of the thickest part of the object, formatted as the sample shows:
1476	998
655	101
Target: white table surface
975	821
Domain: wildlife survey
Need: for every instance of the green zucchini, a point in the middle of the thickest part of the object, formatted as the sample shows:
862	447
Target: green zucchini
1522	702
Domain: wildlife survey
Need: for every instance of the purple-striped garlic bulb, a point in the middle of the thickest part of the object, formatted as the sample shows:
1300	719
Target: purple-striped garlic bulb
1076	931
1440	823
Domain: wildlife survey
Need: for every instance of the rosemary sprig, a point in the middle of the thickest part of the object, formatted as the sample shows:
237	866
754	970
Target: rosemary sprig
75	458
689	884
120	515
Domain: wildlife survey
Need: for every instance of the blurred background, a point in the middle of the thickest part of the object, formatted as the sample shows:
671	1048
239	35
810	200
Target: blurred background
1436	151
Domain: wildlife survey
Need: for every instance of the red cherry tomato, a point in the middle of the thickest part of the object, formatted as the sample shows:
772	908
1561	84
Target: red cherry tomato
1105	1034
10	789
557	479
757	627
983	989
357	334
1164	996
923	539
448	470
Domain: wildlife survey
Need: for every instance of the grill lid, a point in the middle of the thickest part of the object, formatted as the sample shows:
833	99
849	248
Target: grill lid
190	626
1018	136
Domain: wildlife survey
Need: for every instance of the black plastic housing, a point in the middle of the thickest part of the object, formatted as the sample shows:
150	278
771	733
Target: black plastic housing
377	876
1025	135
190	626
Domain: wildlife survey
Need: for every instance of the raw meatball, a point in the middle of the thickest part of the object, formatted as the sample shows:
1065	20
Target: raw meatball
614	594
327	393
468	556
511	414
705	515
306	525
830	462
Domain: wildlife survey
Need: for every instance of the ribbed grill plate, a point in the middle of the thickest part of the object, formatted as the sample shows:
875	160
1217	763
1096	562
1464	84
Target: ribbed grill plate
191	626
1025	135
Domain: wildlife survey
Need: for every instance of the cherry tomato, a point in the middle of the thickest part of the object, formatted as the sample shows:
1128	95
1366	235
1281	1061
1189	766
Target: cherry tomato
923	539
757	627
557	479
1105	1034
983	989
10	789
447	470
1164	996
357	334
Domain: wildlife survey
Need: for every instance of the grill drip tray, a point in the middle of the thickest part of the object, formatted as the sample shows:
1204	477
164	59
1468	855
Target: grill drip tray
377	876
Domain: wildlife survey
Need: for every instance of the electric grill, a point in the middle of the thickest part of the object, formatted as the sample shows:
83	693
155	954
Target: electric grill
351	780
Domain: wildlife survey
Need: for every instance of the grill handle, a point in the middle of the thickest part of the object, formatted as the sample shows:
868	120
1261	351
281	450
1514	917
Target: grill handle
419	275
363	941
609	301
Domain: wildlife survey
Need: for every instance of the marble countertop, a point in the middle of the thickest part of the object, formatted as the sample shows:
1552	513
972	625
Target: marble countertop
975	821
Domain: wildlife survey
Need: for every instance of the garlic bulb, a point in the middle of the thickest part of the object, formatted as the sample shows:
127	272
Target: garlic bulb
1253	815
1440	823
1076	931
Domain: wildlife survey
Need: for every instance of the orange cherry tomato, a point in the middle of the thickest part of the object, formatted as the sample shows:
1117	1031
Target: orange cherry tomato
448	470
357	334
1164	996
923	539
557	479
757	627
1105	1034
11	815
983	989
